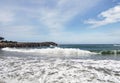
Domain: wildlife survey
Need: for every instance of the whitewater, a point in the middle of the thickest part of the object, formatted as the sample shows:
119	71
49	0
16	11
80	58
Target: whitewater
57	65
53	52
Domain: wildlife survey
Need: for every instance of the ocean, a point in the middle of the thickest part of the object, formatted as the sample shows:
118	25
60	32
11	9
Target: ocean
67	63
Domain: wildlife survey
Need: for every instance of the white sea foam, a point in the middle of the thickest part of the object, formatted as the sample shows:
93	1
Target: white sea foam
23	70
53	51
57	70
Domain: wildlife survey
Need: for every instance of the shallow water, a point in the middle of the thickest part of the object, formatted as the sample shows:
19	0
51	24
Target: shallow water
57	65
29	70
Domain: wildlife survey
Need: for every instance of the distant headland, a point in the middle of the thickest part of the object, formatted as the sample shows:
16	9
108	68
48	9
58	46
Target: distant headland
6	43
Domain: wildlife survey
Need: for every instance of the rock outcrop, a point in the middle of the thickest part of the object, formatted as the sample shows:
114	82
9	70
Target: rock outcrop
27	44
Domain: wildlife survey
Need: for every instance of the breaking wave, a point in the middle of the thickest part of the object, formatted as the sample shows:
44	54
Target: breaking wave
110	52
53	51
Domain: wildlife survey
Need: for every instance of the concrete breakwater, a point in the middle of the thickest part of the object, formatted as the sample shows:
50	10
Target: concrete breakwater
27	44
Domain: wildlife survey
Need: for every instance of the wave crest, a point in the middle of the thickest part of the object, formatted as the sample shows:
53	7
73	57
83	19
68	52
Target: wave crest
53	51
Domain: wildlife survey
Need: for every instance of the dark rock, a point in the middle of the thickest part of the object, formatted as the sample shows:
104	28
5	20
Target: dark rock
26	44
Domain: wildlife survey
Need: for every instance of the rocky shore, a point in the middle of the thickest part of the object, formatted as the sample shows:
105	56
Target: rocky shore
26	44
5	43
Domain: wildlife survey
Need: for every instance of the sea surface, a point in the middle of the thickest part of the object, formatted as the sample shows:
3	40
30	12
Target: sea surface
67	63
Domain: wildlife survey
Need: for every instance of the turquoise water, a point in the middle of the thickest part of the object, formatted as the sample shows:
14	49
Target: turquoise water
108	51
92	47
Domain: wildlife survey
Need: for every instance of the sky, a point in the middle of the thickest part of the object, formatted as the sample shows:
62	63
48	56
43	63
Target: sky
61	21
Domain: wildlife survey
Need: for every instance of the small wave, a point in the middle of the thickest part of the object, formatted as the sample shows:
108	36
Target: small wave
53	51
110	52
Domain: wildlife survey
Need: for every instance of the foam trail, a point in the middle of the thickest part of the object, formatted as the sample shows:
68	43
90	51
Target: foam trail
23	70
53	51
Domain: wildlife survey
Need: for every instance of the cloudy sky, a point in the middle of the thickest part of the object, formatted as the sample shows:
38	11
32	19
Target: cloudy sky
61	21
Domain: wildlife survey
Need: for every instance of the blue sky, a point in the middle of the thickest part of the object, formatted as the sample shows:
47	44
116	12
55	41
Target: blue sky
61	21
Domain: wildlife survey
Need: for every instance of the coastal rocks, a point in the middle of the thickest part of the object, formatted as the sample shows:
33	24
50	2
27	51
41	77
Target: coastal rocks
1	38
6	43
27	44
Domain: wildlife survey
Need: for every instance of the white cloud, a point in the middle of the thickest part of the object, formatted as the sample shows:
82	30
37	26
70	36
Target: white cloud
6	16
53	15
57	16
18	32
107	17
